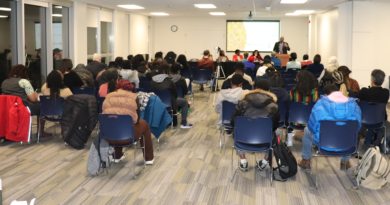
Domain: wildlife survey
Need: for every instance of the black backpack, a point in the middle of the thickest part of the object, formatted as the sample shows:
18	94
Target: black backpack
287	164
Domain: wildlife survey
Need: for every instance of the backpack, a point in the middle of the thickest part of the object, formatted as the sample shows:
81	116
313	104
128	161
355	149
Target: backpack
372	170
287	164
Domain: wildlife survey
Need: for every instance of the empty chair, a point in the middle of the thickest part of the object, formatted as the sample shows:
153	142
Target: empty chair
299	112
201	76
186	73
250	72
83	90
227	111
51	110
144	85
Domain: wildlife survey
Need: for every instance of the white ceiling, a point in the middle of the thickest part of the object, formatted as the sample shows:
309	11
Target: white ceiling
232	8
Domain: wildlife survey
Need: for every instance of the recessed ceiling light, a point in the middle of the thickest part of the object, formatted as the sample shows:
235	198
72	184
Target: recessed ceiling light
217	13
304	11
3	16
56	15
5	9
131	7
205	6
291	14
159	13
293	1
58	7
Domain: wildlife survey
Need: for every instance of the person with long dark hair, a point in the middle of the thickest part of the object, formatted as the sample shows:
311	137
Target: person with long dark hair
71	79
55	87
257	56
121	100
306	89
119	62
112	78
351	83
158	55
277	86
135	63
17	84
182	59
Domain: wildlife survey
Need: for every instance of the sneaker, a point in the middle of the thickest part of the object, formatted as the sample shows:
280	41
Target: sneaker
304	163
149	162
186	126
344	165
118	160
261	165
244	166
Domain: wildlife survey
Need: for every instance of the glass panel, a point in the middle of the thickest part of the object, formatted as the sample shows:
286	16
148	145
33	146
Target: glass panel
33	48
92	40
60	34
106	40
5	40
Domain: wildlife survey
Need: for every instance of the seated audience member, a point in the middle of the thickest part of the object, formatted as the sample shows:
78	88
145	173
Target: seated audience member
305	61
55	87
277	62
130	57
119	62
135	63
18	84
96	66
143	69
170	57
182	59
268	71
126	65
316	68
326	75
333	106
338	81
158	55
293	64
154	69
239	69
112	77
178	79
249	63
246	55
232	95
112	64
256	56
71	79
237	56
122	101
376	94
85	75
261	70
163	82
206	62
258	103
222	57
102	76
351	83
277	87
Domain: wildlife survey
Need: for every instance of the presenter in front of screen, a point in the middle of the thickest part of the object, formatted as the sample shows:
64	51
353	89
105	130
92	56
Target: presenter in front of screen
281	47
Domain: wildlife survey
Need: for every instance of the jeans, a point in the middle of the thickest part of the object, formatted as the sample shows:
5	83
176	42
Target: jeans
308	143
183	104
240	152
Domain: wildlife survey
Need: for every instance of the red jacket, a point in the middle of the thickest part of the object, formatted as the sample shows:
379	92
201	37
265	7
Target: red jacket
15	119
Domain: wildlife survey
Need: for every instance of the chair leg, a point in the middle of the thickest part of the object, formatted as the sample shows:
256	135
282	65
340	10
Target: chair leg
220	140
270	165
234	172
135	156
385	141
39	129
316	173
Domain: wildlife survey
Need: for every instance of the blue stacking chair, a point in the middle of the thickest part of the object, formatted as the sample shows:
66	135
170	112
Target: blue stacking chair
250	72
279	68
342	135
299	112
186	73
179	91
374	116
283	109
227	112
143	79
253	134
201	76
144	85
50	108
289	87
100	101
119	127
166	97
290	81
83	90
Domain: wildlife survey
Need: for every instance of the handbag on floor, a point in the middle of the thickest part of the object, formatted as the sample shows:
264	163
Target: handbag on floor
287	164
373	170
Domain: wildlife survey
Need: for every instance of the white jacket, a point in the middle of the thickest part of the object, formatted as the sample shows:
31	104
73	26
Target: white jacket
231	95
130	75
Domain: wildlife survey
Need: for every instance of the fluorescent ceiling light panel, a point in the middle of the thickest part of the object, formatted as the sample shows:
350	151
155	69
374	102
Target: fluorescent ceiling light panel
217	13
131	6
58	7
5	9
205	6
159	13
291	14
304	11
3	16
56	15
293	1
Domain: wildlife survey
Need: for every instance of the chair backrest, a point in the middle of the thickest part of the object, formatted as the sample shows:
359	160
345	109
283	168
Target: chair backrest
250	72
289	87
227	111
341	135
179	91
143	90
83	90
144	85
116	127
201	75
165	96
51	107
186	73
372	113
283	109
299	112
278	68
100	101
252	131
143	79
288	80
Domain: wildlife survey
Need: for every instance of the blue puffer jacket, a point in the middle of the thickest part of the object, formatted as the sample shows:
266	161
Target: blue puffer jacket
325	109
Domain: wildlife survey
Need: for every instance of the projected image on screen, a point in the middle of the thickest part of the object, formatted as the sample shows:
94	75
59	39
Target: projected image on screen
252	35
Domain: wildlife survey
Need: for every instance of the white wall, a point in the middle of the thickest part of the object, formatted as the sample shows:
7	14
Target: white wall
195	35
121	37
327	38
138	34
80	33
5	34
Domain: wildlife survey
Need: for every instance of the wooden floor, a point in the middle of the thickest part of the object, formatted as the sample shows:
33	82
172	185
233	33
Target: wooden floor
188	169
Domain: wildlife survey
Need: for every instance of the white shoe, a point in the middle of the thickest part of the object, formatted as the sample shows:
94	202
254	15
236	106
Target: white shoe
149	162
186	126
118	160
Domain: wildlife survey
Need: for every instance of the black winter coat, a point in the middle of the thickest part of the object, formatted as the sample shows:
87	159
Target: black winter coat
166	84
228	84
258	103
79	119
281	94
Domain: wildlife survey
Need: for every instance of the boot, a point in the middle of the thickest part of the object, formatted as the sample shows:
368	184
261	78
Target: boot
304	163
42	128
344	165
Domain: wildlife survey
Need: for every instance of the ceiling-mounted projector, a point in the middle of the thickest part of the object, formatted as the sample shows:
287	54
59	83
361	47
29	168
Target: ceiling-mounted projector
250	17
